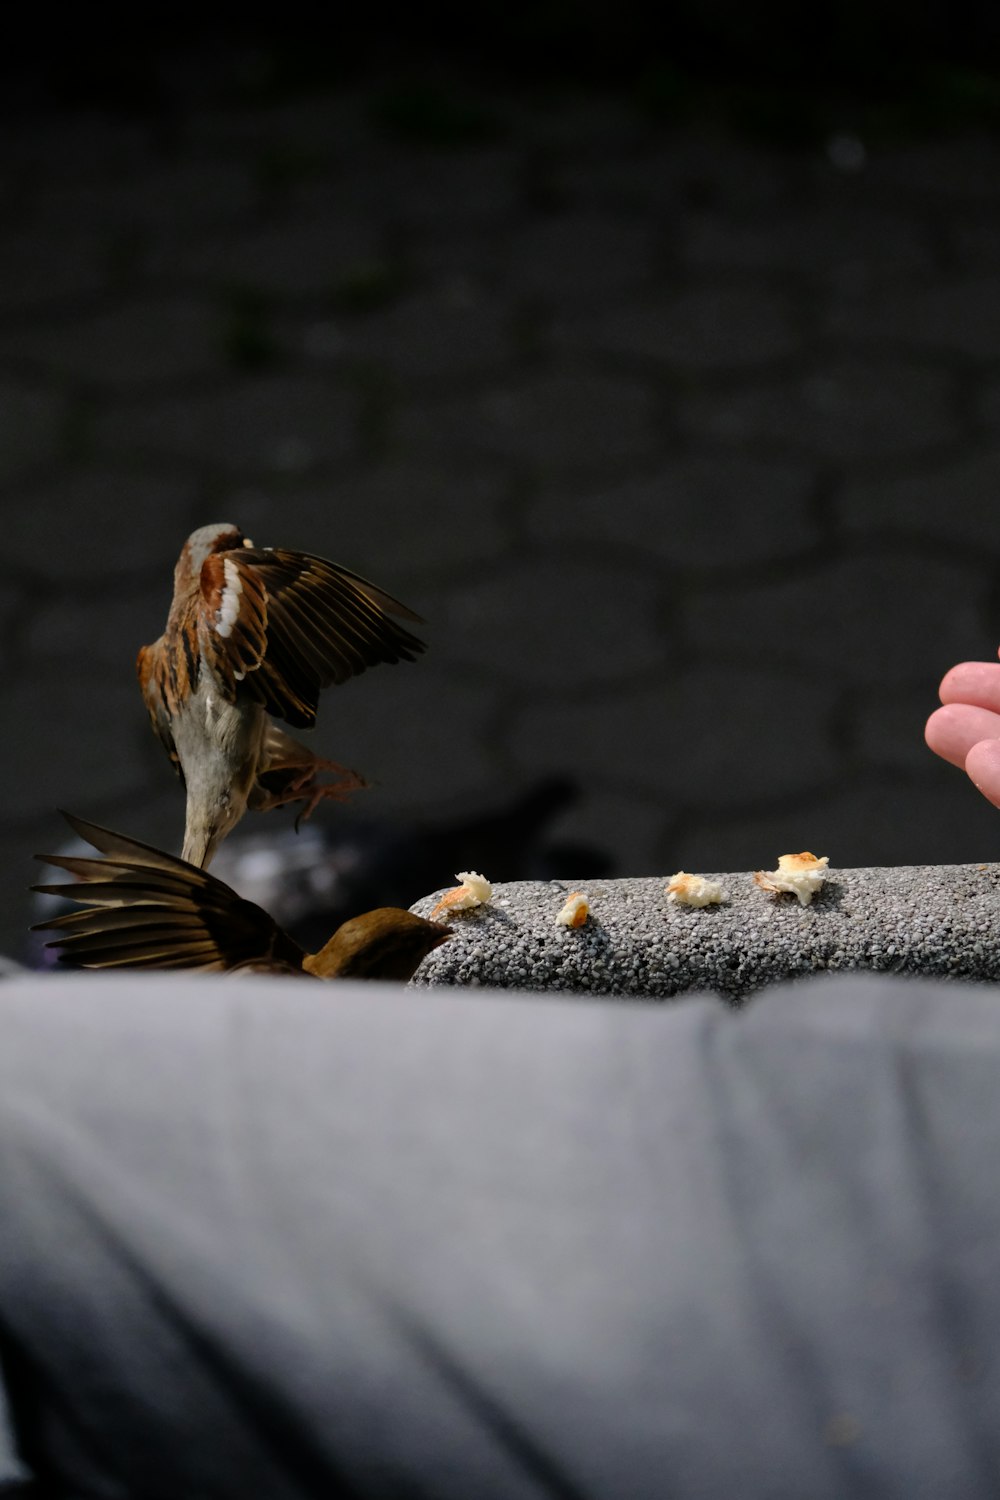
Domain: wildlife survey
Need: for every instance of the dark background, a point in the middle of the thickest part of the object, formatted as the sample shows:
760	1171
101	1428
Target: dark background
654	362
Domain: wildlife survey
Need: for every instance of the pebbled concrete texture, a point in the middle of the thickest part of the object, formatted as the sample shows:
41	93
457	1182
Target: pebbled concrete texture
938	921
675	437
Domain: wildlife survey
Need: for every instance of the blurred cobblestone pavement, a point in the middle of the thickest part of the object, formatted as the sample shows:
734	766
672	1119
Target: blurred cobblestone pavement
687	448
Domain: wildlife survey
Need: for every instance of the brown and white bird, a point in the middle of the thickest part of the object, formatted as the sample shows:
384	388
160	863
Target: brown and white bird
143	909
255	631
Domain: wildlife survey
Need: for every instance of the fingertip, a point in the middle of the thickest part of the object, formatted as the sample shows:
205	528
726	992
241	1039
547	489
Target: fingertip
944	733
932	729
955	681
982	765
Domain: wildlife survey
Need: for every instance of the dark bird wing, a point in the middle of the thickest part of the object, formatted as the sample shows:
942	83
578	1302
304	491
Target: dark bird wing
144	909
285	625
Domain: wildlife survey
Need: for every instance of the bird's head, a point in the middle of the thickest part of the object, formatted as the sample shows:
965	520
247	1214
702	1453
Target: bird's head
220	536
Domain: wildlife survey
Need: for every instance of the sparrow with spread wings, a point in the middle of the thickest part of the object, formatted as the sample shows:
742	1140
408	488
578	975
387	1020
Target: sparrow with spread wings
143	909
254	632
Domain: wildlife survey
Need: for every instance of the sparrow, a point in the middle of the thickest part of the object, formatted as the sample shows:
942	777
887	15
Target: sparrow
340	869
150	910
252	632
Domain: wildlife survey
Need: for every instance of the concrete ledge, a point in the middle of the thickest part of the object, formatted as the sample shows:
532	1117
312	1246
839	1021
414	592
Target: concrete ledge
933	920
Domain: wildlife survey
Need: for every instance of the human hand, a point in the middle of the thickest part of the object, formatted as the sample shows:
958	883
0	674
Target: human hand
966	729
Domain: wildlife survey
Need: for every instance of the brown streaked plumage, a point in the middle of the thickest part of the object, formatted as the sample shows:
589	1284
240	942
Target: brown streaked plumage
254	631
143	909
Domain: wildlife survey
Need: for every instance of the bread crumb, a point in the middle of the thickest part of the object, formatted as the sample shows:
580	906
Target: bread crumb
694	890
575	911
799	875
475	890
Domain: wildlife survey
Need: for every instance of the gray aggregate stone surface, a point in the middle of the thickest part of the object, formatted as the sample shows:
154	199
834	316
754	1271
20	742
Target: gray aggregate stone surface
936	921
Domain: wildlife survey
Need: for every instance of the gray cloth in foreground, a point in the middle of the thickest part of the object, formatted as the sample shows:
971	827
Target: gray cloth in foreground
266	1240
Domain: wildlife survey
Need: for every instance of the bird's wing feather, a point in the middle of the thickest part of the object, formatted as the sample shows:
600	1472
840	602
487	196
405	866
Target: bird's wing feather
288	624
155	682
149	910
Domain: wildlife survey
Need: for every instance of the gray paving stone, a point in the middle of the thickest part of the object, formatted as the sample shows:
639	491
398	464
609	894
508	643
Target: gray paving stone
422	735
95	524
32	426
555	422
867	619
954	317
695	510
71	736
268	424
39	269
697	328
887	726
105	631
152	196
554	622
951	502
434	191
974	241
706	735
308	257
541	516
828	237
577	128
144	341
64	146
471	262
630	829
576	257
663	178
987	406
946	169
847	410
451	332
288	128
14	603
18	870
366	520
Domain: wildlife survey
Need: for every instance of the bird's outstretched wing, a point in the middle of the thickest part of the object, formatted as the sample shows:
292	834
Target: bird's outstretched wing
286	624
144	909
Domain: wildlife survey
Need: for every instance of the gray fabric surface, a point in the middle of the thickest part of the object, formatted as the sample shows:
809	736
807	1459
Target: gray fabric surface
13	1470
266	1240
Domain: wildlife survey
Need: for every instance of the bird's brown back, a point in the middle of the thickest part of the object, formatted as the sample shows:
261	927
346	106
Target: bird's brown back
387	943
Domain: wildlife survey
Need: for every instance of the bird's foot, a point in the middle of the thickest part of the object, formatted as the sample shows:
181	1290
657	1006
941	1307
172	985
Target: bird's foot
280	785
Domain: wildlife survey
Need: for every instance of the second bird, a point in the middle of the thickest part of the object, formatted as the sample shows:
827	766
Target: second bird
256	631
